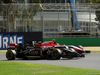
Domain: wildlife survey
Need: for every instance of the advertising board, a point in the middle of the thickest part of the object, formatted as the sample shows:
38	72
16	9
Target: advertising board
18	38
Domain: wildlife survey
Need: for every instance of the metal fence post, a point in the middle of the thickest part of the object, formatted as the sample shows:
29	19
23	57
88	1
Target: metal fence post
42	21
90	20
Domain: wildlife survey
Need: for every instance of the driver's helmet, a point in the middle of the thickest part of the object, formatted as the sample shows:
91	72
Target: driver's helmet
53	40
39	42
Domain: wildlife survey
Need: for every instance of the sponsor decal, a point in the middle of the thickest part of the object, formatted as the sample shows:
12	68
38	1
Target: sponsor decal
7	39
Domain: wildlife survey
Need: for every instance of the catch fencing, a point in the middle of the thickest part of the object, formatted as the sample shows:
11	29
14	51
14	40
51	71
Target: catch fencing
54	20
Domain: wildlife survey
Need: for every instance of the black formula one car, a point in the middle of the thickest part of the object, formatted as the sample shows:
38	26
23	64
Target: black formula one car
48	50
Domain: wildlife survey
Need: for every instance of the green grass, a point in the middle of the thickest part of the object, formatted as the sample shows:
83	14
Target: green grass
3	51
16	68
95	51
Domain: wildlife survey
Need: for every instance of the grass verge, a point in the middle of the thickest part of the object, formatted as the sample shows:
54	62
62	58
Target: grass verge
16	68
95	51
3	51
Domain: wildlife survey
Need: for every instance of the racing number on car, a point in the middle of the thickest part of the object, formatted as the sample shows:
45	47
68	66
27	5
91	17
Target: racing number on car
34	53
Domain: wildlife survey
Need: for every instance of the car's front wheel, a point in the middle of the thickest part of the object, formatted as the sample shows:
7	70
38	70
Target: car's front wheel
55	54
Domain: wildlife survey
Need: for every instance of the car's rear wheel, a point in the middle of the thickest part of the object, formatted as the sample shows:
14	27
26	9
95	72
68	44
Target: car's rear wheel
10	54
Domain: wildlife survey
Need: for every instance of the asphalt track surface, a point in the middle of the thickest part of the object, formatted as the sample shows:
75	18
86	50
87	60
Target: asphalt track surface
91	61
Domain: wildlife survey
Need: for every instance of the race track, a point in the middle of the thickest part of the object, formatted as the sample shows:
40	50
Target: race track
91	61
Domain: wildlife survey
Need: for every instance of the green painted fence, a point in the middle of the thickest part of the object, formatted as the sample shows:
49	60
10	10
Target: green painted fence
76	41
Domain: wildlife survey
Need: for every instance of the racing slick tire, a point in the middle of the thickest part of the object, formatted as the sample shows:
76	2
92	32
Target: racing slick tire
87	51
82	55
55	54
70	57
11	54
